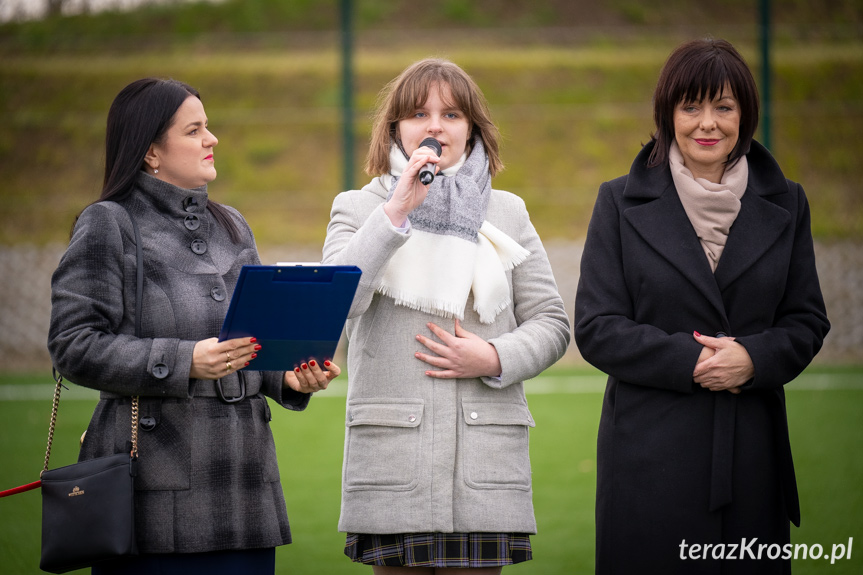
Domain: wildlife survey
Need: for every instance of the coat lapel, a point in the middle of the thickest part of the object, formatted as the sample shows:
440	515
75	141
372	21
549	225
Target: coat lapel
663	224
760	222
758	226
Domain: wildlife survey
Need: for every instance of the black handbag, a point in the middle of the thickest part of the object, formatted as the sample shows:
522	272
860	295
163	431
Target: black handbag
88	508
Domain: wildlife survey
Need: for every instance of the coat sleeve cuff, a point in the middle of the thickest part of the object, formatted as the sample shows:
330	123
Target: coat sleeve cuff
273	387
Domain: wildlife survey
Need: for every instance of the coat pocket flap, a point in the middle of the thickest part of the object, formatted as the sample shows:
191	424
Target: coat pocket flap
385	412
480	413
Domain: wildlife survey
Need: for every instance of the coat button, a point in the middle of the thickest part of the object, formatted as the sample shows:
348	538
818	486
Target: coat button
217	293
199	247
192	222
721	334
412	418
474	415
147	423
190	204
160	371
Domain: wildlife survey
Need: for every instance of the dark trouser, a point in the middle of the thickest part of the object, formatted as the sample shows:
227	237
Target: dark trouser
257	561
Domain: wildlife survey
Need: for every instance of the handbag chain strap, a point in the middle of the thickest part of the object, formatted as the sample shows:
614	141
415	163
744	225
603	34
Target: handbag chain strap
59	379
139	293
134	452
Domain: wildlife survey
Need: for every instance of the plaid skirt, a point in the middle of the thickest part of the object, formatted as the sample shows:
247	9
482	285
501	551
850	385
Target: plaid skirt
439	549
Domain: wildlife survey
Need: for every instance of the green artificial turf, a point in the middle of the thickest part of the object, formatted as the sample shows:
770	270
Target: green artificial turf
825	409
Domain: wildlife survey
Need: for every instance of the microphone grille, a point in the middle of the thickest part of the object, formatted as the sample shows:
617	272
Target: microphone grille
433	144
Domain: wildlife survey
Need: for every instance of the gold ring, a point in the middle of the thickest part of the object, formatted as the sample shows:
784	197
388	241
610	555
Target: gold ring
229	366
228	355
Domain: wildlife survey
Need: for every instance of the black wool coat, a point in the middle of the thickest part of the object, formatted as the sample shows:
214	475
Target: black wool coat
677	464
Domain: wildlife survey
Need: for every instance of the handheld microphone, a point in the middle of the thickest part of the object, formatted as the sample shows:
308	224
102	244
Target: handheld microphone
427	172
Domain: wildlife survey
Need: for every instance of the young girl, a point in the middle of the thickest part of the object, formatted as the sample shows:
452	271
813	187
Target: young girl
457	306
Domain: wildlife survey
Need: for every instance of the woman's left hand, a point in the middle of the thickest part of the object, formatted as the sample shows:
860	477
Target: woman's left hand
310	377
727	369
462	355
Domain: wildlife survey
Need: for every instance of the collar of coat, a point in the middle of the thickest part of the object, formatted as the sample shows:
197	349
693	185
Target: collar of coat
170	200
765	176
656	213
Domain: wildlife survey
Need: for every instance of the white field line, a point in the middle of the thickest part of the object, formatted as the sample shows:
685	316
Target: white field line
538	386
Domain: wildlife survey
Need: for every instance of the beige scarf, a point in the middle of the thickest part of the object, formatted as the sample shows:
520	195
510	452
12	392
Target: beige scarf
711	208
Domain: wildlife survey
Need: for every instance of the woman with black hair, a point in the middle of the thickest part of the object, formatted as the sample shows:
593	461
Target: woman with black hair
699	298
207	496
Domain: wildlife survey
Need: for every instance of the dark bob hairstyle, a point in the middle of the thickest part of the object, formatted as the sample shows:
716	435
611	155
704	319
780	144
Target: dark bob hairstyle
693	71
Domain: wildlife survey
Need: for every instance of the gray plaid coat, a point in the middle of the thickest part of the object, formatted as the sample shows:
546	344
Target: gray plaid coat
208	477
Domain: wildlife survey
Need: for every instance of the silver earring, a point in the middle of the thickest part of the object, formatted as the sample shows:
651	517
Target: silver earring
155	170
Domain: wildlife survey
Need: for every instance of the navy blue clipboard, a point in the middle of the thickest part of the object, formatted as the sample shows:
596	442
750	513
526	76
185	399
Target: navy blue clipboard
295	312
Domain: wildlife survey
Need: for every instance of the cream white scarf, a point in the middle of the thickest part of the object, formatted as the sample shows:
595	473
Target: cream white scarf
435	271
711	208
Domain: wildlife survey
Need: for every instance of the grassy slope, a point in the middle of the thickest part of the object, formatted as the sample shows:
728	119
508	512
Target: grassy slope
572	101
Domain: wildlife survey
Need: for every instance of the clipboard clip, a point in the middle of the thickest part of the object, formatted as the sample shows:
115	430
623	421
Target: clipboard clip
236	399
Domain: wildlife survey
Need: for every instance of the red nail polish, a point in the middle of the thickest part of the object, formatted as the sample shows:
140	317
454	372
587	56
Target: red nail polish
257	347
696	334
326	363
312	363
254	355
253	340
247	364
305	366
297	369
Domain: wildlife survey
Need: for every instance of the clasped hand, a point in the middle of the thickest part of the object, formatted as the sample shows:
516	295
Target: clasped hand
462	355
722	365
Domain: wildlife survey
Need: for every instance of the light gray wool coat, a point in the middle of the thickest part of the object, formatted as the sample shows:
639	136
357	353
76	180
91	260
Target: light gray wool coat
208	477
446	455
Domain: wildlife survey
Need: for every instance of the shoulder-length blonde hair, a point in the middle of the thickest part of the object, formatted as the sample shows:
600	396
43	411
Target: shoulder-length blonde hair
403	95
